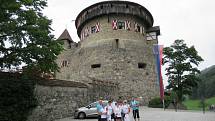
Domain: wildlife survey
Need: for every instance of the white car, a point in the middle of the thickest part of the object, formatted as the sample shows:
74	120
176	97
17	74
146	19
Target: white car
88	111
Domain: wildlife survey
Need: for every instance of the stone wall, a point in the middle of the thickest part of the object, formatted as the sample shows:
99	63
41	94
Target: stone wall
118	60
59	99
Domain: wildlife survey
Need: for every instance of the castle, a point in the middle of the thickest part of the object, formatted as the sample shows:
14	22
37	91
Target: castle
115	48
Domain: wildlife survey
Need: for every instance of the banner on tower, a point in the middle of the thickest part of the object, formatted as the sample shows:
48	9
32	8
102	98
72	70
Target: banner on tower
158	52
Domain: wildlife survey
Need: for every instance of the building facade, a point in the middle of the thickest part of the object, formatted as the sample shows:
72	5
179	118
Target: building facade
115	48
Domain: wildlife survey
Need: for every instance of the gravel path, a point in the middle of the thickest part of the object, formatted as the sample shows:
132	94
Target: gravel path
154	114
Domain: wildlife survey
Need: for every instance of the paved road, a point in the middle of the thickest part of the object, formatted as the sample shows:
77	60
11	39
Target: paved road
152	114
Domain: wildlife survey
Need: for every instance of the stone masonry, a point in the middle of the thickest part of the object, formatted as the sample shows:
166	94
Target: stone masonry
116	46
59	98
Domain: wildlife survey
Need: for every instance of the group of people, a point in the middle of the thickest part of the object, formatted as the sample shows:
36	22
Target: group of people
212	107
118	111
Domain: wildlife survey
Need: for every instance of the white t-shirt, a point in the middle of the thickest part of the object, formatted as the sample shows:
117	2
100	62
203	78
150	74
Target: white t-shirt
109	110
103	110
113	104
117	111
125	108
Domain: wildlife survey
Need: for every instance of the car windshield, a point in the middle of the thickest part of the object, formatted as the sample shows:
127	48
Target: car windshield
93	105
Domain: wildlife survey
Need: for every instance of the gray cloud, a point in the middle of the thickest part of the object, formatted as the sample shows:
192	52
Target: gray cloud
191	20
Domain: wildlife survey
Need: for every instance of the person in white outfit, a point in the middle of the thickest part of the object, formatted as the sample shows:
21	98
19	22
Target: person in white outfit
113	104
109	109
126	110
118	112
104	114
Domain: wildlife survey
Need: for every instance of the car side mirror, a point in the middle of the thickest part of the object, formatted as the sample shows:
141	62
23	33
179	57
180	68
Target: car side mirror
89	106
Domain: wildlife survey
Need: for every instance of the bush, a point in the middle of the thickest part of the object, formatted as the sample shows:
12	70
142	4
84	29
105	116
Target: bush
16	97
157	103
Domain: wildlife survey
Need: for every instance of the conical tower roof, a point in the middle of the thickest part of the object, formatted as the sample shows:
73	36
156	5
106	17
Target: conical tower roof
65	36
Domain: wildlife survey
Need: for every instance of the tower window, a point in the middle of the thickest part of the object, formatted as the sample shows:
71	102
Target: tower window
93	29
96	66
142	65
121	25
138	28
64	63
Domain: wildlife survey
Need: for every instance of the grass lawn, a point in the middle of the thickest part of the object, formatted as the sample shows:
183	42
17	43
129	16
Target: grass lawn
196	104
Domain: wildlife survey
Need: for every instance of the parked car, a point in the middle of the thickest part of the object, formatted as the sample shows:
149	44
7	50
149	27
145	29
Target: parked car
88	111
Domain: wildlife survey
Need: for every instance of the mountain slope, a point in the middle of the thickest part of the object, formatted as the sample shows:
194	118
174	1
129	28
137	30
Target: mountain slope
207	85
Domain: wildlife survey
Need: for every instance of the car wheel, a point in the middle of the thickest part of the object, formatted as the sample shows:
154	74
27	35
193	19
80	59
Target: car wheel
81	115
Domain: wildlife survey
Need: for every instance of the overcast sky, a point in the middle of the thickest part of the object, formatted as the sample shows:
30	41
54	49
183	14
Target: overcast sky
190	20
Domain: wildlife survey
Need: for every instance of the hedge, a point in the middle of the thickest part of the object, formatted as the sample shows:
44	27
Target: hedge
157	103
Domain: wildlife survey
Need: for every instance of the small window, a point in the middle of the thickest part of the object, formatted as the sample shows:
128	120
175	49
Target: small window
101	7
64	63
93	29
142	65
121	25
96	66
138	28
117	43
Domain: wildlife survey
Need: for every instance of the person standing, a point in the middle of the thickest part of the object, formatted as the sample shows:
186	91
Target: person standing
135	108
100	109
113	104
126	110
118	112
109	109
121	106
104	114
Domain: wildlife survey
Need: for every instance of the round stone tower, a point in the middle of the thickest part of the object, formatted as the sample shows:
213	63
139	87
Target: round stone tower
116	45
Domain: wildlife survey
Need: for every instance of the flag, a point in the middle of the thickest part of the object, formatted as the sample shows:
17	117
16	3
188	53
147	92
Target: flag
158	52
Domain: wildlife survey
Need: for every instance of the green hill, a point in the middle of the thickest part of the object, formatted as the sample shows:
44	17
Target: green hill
207	85
197	105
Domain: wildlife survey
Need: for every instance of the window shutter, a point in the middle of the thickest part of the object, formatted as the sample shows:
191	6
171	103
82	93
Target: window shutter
135	27
97	27
128	25
82	36
86	32
114	24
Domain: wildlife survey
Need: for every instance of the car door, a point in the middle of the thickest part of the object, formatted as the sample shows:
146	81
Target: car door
91	110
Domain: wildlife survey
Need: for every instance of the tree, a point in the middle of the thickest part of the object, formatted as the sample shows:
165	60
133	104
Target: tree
182	62
25	36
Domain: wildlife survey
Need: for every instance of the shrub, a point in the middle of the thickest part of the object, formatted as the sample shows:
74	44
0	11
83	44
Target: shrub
17	97
157	103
